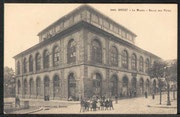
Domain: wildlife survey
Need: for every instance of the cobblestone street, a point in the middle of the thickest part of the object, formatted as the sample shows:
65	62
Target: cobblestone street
138	105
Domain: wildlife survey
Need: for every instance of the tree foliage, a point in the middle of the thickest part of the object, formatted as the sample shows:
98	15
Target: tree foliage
9	82
172	72
157	70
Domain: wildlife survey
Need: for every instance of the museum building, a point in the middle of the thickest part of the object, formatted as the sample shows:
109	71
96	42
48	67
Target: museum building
82	54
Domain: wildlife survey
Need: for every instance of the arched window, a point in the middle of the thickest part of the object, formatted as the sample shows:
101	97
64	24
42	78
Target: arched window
125	59
38	86
147	65
25	87
25	65
71	51
114	56
30	63
114	85
133	62
97	84
133	84
141	64
31	86
18	67
38	62
46	86
96	52
125	86
19	87
141	85
154	86
56	86
55	56
147	85
71	85
46	59
125	82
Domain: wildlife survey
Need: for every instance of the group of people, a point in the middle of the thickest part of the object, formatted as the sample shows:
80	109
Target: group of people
94	104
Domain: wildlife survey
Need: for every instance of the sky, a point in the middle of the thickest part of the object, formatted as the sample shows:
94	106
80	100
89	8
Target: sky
154	24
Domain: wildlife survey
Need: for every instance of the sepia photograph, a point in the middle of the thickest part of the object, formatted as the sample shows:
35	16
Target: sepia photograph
90	58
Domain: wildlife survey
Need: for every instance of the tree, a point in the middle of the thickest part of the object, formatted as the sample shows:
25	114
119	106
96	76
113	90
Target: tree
157	71
173	72
9	82
172	75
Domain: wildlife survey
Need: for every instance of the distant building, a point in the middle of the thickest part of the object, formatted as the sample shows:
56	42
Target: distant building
83	54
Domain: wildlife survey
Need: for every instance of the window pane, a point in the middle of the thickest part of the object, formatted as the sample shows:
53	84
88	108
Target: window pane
96	52
71	51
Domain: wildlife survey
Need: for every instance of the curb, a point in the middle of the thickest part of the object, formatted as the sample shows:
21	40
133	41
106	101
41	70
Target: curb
161	106
33	111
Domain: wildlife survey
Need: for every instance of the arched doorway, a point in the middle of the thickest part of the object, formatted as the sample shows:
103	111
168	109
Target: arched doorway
56	86
125	86
71	86
97	84
134	87
154	86
19	87
25	87
46	86
147	85
114	85
38	86
31	87
141	86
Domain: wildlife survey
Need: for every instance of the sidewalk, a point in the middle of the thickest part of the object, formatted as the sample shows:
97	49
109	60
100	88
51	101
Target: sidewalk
138	105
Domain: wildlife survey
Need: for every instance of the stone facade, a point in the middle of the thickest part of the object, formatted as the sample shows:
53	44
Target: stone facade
84	77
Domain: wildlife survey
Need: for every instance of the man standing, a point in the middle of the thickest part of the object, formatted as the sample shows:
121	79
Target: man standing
116	99
17	102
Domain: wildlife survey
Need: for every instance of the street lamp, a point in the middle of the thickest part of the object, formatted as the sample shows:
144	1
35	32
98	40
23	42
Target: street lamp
168	96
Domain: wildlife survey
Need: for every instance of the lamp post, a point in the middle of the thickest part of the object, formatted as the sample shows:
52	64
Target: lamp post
168	96
174	88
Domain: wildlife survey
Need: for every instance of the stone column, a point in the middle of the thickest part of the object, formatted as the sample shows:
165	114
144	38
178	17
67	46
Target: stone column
34	63
50	58
107	51
106	89
85	43
34	88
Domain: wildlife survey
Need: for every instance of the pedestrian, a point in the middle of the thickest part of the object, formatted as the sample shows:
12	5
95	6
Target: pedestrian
94	105
153	96
145	94
130	93
111	104
135	93
82	105
116	99
106	104
98	104
17	101
102	104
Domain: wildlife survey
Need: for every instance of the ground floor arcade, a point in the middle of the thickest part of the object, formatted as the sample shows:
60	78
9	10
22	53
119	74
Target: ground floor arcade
84	81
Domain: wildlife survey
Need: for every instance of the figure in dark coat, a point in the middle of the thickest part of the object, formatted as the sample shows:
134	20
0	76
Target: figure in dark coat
106	104
17	101
145	94
82	105
116	99
111	104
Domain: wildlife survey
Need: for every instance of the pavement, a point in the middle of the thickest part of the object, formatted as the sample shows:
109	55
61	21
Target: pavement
139	105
